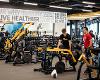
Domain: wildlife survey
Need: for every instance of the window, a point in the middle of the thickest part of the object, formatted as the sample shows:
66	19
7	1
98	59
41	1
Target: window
93	27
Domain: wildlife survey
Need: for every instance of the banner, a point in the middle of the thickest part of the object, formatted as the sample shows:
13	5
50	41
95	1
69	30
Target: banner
20	15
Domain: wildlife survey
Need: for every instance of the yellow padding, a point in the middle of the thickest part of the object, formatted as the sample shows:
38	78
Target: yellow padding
23	32
80	57
8	44
58	49
39	48
18	32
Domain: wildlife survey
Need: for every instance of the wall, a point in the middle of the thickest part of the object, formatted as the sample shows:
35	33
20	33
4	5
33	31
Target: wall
45	26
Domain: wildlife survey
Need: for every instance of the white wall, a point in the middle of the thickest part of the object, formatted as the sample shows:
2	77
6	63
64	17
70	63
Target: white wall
68	29
46	18
58	28
48	27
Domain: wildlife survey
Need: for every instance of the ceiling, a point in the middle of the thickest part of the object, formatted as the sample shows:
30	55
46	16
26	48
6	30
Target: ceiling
76	9
76	5
69	6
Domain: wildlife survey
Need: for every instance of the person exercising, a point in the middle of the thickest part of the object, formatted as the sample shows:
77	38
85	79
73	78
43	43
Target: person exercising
64	40
87	41
65	43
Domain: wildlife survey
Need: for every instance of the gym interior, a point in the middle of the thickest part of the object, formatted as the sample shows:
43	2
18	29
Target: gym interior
49	39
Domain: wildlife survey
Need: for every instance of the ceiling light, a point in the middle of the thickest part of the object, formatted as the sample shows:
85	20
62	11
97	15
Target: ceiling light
35	4
60	7
85	2
86	10
4	0
65	0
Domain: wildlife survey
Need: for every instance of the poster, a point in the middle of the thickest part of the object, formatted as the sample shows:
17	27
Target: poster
20	15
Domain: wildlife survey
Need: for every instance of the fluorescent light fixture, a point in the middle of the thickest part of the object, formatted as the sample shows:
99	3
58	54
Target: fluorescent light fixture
86	10
68	8
4	0
65	0
35	4
90	6
60	7
86	2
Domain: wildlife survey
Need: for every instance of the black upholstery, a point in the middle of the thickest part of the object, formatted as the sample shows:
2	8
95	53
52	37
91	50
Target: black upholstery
95	51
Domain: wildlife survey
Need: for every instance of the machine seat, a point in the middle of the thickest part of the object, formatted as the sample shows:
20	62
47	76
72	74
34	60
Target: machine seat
95	51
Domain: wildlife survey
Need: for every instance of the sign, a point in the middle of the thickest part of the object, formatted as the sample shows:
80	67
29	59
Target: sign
20	15
60	17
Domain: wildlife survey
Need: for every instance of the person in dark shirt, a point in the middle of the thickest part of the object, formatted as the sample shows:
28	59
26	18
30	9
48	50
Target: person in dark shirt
64	40
91	33
65	43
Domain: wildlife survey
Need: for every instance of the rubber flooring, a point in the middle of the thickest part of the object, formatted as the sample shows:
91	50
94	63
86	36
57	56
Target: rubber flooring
25	72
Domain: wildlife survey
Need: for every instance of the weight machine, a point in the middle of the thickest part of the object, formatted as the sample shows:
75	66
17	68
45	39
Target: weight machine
93	67
46	64
20	56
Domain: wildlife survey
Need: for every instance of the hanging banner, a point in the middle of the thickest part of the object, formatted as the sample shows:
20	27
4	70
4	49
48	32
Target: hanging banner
20	15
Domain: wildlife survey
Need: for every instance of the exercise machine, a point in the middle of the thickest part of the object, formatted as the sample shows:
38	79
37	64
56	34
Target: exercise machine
12	46
46	64
68	55
92	66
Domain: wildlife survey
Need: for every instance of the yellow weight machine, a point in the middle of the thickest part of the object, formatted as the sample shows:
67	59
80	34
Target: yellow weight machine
19	33
23	32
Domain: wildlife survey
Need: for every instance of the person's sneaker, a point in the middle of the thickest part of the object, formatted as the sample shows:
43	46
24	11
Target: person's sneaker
69	67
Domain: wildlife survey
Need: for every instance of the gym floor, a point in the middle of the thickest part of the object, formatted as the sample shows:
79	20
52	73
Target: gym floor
25	72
